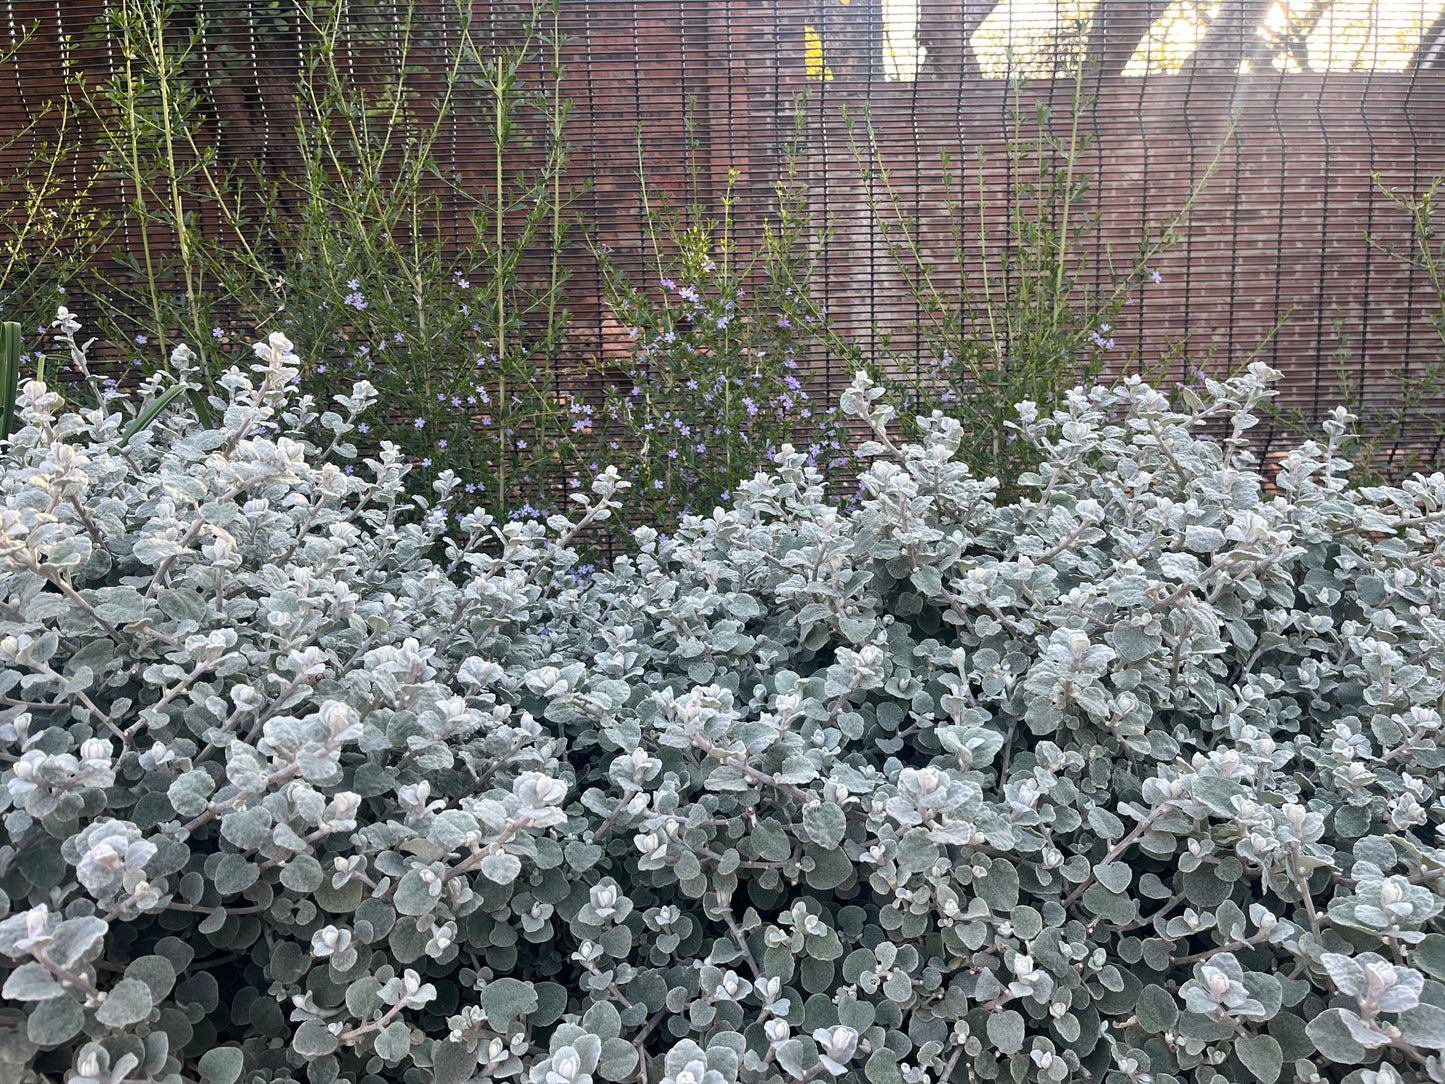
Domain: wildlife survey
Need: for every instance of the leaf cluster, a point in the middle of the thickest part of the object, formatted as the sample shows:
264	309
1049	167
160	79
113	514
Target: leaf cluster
306	780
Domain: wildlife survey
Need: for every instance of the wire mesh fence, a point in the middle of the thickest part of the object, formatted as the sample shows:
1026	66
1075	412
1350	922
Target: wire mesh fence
1302	116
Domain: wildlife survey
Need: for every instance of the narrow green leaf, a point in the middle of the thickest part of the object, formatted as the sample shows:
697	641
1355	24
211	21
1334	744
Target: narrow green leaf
203	408
150	413
9	375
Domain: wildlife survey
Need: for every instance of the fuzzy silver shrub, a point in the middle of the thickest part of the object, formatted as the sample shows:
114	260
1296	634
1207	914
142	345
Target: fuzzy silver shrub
307	779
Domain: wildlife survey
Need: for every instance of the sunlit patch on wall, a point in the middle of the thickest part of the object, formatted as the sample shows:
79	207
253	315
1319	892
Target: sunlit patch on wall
813	64
1041	39
902	55
1022	39
1357	35
1172	38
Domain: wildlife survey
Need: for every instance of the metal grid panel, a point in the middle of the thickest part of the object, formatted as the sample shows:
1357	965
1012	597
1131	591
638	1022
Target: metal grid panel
1281	226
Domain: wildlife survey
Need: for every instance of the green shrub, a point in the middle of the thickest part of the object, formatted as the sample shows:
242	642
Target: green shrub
1007	310
714	383
1133	782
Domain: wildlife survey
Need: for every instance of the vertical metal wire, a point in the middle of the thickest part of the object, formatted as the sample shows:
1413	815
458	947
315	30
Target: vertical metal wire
1141	295
1416	184
824	157
873	14
1186	98
1279	248
918	202
1316	402
964	160
1414	86
596	309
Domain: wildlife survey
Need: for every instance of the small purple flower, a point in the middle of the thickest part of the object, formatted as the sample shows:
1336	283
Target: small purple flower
217	333
419	423
141	339
363	428
441	444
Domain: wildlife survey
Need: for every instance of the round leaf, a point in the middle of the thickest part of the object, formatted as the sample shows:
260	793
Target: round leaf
128	1002
313	1040
1332	1038
1157	1010
221	1065
506	999
825	824
54	1021
1261	1056
1006	1031
502	868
